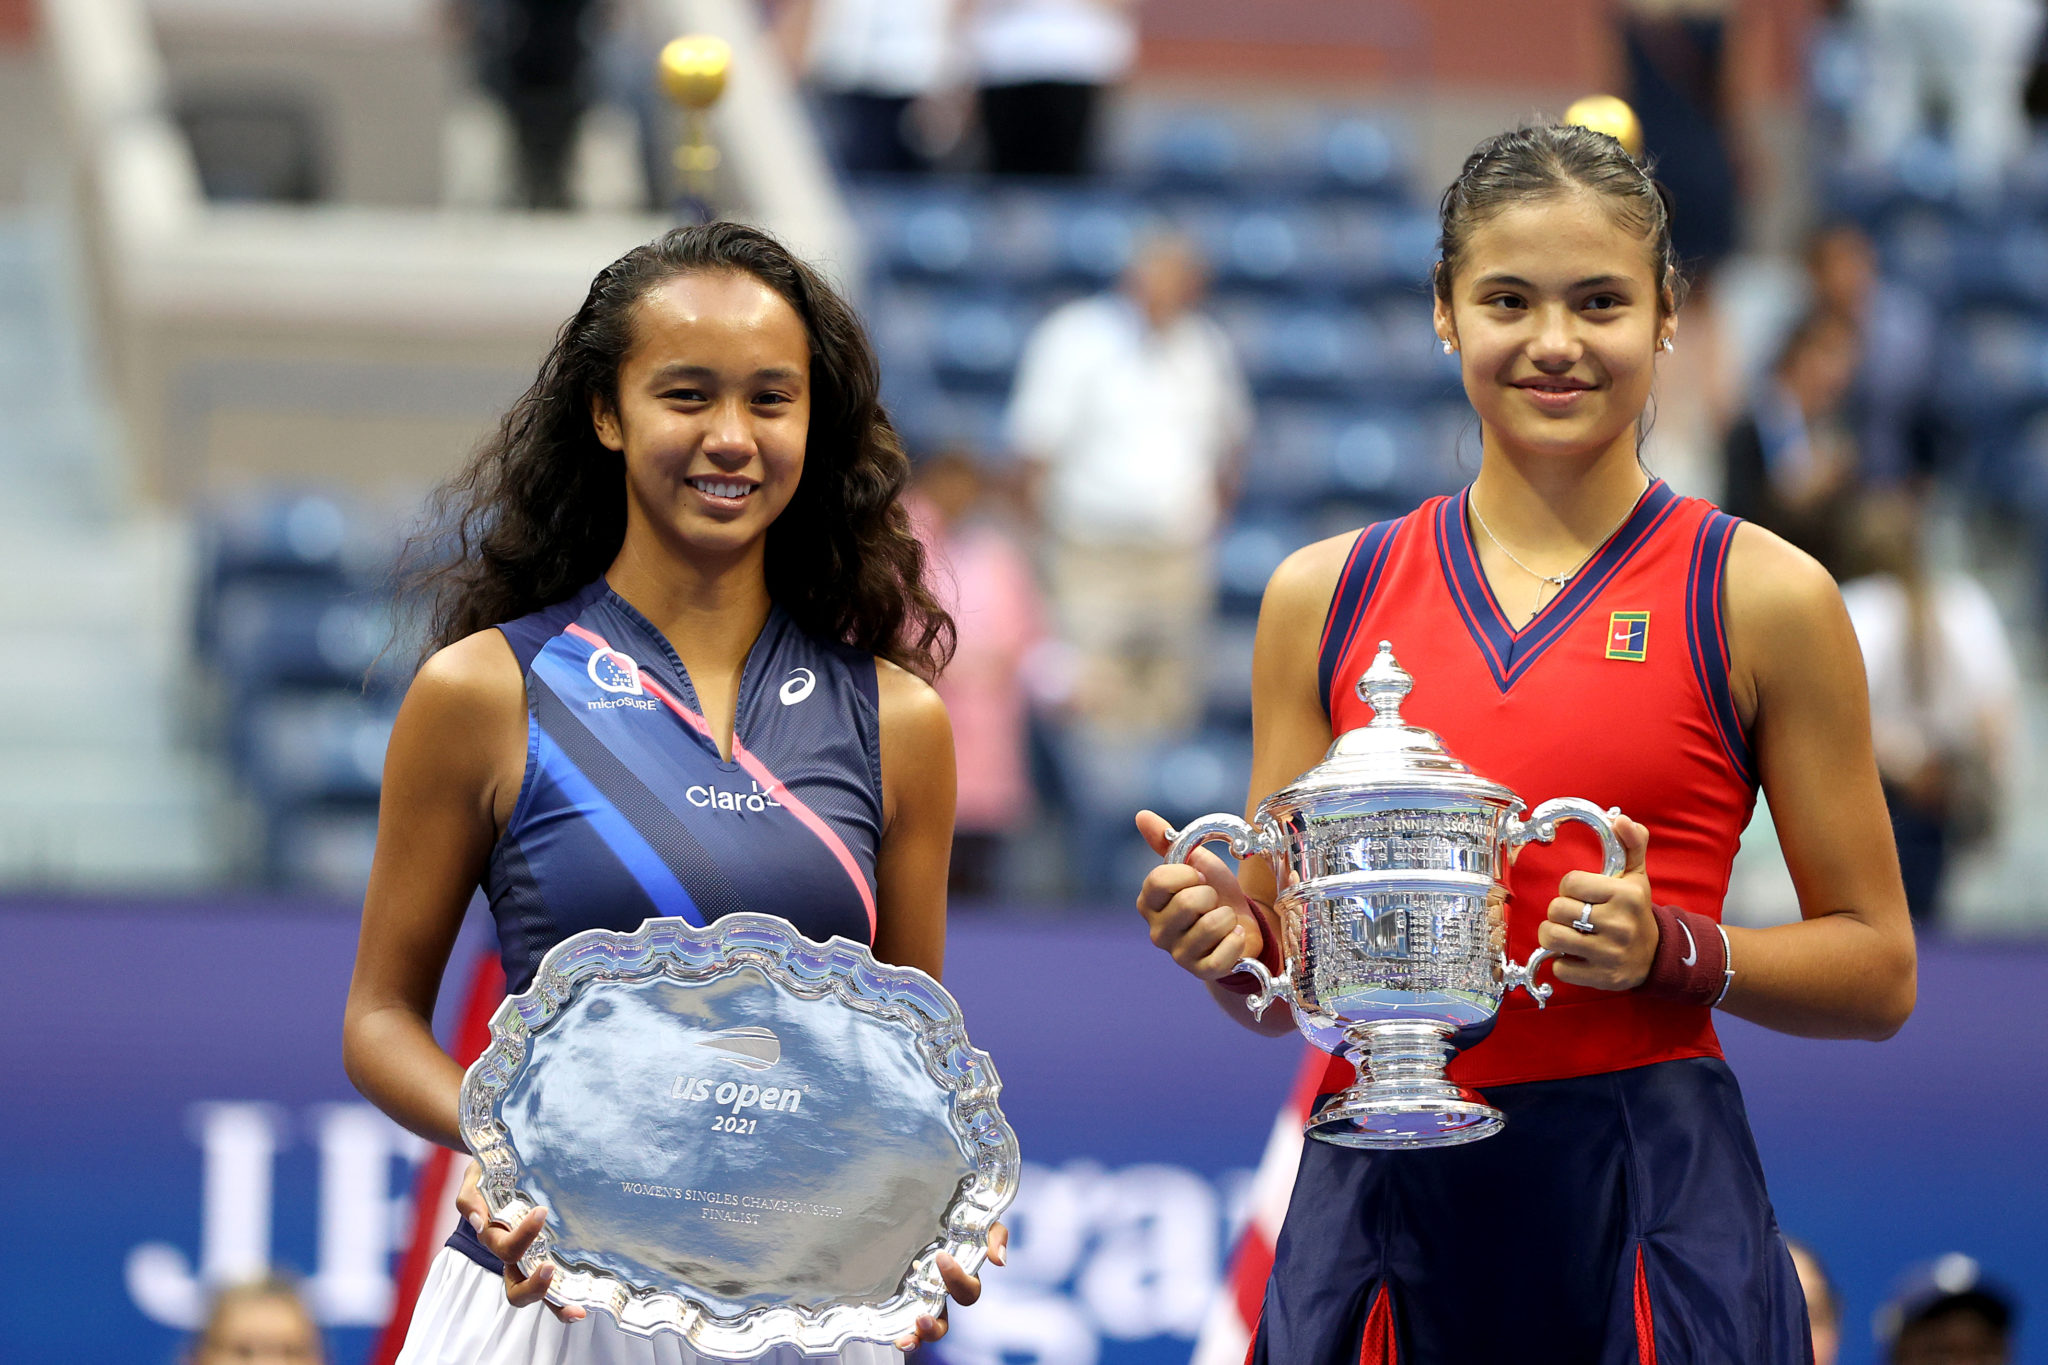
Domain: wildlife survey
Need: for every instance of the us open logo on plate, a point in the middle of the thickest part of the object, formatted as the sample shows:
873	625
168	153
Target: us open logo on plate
614	672
753	1047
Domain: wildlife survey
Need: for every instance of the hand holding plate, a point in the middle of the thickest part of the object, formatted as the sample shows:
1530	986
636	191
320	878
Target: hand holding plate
961	1287
508	1244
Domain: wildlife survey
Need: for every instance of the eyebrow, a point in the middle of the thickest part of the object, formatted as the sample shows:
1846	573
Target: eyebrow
1591	282
779	374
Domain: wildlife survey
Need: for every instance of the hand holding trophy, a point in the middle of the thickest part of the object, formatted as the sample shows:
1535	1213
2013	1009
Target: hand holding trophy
1393	856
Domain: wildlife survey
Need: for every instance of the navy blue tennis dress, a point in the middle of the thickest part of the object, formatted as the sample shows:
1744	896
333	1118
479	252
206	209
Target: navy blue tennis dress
627	811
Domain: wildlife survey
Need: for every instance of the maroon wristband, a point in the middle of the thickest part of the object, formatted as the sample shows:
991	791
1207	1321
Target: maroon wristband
1244	983
1692	958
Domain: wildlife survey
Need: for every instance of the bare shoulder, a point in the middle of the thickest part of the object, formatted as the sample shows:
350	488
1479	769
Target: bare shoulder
1301	588
1789	634
1775	590
460	736
476	677
911	710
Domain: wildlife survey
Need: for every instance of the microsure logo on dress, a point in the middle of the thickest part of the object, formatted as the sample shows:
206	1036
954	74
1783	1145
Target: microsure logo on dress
616	673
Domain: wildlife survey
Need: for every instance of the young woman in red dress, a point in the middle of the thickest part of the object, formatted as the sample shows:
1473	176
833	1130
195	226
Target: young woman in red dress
1575	628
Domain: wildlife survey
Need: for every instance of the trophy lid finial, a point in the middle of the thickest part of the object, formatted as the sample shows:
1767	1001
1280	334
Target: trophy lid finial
693	69
1384	686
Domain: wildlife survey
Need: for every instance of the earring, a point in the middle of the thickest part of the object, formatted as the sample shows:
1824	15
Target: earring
1667	345
1450	347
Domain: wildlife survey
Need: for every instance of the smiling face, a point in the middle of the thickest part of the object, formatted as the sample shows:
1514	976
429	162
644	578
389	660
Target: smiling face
714	404
1557	315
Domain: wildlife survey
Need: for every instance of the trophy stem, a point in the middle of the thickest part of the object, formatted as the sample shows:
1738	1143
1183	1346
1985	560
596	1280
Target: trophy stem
1402	1097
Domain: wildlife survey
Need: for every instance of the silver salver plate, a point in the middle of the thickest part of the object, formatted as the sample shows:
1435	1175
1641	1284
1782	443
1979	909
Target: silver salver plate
741	1136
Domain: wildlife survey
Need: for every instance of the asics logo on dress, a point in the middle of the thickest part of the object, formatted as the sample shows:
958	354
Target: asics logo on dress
799	686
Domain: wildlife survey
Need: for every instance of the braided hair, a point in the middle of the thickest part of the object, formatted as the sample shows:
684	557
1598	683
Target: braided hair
1539	162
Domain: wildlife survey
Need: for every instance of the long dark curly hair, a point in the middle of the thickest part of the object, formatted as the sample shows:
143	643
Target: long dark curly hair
540	510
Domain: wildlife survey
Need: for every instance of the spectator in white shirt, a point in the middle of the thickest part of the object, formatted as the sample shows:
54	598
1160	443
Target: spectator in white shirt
1971	57
1042	66
870	64
1944	697
1132	410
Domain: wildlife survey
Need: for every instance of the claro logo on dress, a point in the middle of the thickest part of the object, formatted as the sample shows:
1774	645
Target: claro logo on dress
739	803
616	673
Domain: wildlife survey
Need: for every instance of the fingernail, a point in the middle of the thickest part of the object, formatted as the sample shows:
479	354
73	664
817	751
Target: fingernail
476	1220
1000	1256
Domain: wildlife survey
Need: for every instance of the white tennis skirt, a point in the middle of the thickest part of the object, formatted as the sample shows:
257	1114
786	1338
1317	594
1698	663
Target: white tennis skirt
462	1318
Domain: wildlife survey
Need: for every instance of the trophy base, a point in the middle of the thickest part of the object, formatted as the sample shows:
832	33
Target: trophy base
1402	1097
1385	1123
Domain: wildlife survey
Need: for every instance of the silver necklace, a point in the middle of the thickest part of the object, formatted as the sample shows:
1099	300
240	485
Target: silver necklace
1556	580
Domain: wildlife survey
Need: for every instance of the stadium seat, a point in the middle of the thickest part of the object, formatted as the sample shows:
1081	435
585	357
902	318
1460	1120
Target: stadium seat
1361	156
326	746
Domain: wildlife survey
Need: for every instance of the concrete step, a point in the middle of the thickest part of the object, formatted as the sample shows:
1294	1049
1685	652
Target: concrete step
104	822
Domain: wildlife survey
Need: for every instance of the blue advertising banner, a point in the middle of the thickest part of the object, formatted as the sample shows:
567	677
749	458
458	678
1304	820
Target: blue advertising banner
175	1116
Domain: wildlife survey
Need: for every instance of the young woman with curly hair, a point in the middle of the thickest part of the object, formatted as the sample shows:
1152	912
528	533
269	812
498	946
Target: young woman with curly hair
681	649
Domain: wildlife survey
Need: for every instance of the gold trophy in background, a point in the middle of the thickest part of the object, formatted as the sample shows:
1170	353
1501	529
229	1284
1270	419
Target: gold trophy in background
693	71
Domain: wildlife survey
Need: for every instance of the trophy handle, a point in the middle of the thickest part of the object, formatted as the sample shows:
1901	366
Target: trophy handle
1524	975
1542	826
1244	839
1271	987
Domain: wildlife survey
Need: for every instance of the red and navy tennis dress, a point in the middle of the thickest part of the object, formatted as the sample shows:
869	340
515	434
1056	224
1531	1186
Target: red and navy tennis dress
1620	1218
627	810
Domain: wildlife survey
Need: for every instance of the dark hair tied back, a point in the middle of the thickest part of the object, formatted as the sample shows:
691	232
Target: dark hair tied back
1537	162
540	510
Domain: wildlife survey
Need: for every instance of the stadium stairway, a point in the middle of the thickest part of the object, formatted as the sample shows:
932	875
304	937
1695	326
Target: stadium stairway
97	788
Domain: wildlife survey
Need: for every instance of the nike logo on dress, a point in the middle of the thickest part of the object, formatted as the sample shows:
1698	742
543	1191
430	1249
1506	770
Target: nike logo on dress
1692	950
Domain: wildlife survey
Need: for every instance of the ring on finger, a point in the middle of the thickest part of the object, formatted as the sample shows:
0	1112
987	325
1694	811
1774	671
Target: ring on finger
1584	923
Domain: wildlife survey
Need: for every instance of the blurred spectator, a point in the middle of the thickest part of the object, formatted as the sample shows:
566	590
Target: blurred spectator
870	62
532	57
1895	324
1131	408
1823	1310
1944	696
262	1321
1690	65
1972	58
1042	66
1790	460
985	581
1947	1313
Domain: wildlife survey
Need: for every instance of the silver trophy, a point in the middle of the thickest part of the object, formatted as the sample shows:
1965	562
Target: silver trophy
740	1135
1391	857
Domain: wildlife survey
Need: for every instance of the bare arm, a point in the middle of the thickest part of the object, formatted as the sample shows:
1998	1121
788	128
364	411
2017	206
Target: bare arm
918	787
1847	969
1199	912
452	772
